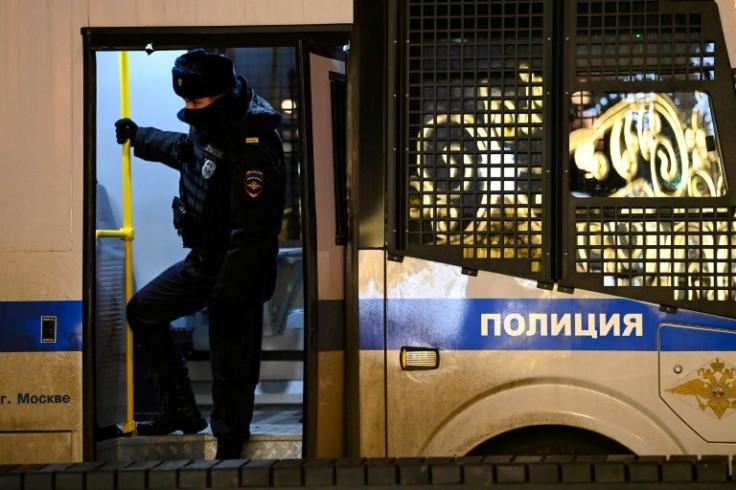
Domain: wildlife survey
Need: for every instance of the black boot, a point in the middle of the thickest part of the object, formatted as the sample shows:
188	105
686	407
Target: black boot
180	413
229	448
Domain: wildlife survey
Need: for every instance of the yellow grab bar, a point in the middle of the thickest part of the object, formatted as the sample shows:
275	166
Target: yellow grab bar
127	234
122	233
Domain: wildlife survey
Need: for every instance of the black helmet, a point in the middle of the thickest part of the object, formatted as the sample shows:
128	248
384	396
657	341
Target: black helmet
198	74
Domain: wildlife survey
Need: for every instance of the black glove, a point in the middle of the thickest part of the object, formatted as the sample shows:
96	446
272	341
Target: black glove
125	130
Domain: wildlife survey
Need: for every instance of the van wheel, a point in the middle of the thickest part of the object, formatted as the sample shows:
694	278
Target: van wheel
547	440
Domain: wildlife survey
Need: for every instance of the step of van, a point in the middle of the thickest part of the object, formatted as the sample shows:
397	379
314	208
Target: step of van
276	433
195	447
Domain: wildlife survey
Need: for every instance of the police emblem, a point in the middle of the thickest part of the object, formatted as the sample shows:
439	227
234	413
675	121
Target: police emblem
254	183
712	386
208	169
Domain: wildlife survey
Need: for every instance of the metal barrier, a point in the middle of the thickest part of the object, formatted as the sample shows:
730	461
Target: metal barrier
517	472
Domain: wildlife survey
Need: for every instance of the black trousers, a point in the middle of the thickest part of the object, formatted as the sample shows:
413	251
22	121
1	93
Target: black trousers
235	333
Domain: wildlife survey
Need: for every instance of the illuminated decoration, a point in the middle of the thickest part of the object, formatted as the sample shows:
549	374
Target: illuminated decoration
644	145
651	145
713	388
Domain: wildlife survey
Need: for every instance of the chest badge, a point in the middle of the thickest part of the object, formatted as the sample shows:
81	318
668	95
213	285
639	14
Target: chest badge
254	184
208	169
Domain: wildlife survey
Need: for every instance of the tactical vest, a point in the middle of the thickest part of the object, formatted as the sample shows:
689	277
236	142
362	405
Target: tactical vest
204	192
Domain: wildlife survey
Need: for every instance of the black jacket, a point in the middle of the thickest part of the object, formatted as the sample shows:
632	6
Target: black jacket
232	186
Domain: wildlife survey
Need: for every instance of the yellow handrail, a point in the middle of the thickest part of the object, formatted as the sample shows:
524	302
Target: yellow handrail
127	234
122	233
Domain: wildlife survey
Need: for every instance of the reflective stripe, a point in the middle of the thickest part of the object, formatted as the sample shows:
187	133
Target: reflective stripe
528	324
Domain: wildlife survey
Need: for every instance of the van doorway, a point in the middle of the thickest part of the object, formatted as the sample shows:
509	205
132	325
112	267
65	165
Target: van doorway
280	414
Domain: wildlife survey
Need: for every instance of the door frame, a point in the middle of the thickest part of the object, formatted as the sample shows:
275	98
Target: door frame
309	226
170	38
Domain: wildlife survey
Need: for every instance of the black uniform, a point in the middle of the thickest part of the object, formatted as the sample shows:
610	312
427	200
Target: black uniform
229	212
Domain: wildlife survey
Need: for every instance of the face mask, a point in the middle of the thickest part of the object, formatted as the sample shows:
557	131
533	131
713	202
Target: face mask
199	118
206	117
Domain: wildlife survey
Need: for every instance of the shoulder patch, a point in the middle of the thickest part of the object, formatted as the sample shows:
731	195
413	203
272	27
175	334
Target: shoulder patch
251	140
254	183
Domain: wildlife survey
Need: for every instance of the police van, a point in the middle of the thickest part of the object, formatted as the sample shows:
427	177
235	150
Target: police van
509	228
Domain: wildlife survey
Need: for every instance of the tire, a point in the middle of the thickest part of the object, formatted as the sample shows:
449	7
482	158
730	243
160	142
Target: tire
549	440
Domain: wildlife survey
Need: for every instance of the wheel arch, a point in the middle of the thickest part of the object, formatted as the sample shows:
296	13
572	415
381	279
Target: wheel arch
559	404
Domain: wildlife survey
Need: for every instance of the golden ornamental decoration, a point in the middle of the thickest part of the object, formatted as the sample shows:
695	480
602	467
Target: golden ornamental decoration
645	145
714	388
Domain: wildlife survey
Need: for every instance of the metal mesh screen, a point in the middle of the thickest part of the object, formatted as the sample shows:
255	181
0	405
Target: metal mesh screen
641	106
649	211
689	251
475	155
635	40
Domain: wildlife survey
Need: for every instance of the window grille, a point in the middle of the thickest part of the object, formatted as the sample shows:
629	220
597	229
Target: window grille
476	156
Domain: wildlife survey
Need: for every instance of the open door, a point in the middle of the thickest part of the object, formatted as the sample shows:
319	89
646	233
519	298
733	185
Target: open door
277	423
322	76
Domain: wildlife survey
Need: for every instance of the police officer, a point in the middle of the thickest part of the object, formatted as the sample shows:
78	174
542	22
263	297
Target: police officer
229	212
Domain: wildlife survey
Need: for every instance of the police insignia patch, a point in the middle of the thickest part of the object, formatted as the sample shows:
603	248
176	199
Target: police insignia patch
254	183
208	169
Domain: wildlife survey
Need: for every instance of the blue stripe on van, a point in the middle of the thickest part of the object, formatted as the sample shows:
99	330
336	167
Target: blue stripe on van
20	325
455	324
685	338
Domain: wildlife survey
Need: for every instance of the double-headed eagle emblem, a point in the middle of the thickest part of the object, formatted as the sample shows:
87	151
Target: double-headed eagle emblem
714	388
